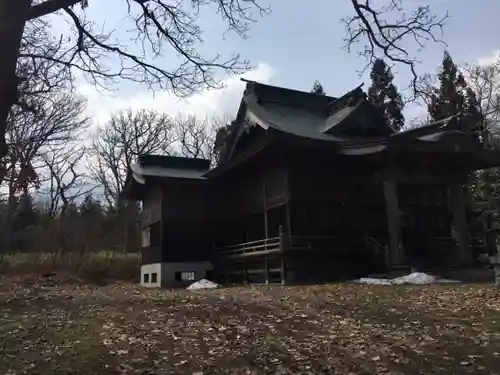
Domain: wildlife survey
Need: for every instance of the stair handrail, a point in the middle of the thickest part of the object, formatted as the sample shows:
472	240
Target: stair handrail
375	245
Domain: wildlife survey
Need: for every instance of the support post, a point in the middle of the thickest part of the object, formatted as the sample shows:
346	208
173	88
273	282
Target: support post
288	208
392	210
495	258
245	274
226	275
264	205
460	230
283	243
288	213
266	270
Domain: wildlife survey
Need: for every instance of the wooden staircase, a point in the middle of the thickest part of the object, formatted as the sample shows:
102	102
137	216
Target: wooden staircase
380	251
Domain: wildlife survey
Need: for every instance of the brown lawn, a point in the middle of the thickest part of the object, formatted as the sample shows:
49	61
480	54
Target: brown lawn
334	329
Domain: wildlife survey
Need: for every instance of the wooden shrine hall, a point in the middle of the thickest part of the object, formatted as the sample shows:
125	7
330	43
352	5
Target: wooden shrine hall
309	188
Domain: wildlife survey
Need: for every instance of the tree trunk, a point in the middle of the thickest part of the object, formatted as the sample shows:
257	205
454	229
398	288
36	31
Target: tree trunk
13	15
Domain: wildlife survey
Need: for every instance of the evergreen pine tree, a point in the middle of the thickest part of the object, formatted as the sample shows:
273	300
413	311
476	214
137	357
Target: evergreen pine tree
91	208
318	88
384	95
454	96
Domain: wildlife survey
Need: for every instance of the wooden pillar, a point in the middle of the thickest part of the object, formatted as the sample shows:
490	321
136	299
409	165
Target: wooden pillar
283	247
460	228
246	223
393	256
266	270
226	275
288	217
245	274
264	205
288	212
283	270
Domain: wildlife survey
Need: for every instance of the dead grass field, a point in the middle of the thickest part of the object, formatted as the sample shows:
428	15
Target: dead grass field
334	329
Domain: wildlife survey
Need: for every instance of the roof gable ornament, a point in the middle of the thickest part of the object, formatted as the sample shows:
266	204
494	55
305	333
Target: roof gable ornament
354	116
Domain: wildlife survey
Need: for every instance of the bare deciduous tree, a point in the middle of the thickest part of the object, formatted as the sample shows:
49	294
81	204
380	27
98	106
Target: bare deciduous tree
484	81
57	120
391	32
158	26
196	136
67	181
125	136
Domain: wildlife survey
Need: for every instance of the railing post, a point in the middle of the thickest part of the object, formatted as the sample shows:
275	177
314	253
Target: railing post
266	268
245	272
283	238
283	244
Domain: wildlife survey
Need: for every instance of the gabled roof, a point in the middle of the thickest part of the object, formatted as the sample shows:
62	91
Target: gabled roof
349	124
310	115
162	167
170	166
303	114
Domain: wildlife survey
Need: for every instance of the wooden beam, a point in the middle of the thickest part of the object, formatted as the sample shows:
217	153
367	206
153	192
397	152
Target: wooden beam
283	241
288	212
266	268
460	228
283	270
245	273
264	203
392	210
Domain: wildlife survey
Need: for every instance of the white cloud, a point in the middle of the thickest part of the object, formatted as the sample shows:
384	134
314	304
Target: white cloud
489	59
207	103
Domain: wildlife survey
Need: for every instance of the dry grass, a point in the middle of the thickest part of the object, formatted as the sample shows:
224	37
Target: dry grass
97	267
335	329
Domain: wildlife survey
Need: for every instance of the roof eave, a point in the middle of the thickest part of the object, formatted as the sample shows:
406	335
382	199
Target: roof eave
133	186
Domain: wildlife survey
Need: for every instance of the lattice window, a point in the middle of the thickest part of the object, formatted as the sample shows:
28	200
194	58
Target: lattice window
185	276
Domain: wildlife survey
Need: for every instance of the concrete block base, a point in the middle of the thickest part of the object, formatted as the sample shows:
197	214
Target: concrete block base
165	275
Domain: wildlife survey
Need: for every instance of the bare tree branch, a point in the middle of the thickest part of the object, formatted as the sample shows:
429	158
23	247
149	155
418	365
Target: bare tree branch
51	6
162	28
484	81
127	135
67	184
196	137
159	26
392	40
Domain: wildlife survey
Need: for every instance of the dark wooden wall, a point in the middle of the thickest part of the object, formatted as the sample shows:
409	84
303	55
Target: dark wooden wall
239	198
243	191
176	218
151	207
183	200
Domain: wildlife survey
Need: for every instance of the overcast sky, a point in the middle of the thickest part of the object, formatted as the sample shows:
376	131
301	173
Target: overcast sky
293	46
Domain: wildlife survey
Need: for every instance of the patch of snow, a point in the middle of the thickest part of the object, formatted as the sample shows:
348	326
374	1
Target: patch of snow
416	278
202	284
373	281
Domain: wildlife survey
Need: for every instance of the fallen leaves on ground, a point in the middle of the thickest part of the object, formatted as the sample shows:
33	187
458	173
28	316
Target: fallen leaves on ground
333	329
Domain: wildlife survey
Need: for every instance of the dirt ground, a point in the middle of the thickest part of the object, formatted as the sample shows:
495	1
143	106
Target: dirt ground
333	329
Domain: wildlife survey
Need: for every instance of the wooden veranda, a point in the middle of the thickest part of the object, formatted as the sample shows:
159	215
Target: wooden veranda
287	258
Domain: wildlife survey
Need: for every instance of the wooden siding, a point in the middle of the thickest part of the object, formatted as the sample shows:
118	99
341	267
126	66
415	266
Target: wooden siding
183	200
249	191
151	209
276	184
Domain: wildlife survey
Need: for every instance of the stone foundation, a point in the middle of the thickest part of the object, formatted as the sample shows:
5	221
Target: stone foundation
167	275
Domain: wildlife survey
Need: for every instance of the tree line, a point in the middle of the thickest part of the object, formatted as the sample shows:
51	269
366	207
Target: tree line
470	92
59	195
64	190
60	191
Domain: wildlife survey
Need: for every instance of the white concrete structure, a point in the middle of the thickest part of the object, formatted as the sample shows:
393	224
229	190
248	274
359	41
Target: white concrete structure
157	275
